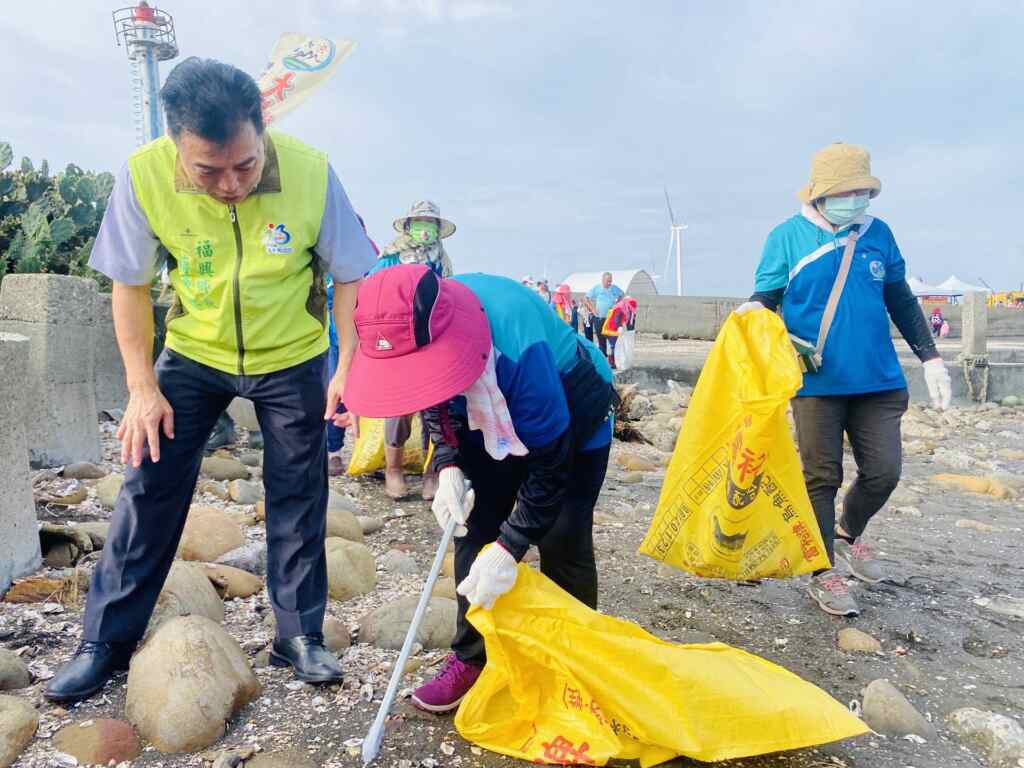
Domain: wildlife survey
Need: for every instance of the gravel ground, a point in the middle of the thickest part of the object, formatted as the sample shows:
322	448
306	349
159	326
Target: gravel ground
940	647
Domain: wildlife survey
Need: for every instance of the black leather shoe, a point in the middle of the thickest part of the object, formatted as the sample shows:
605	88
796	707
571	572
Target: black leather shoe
308	658
223	433
89	670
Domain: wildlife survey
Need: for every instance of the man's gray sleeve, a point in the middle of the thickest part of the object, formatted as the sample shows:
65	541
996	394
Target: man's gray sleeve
126	250
344	246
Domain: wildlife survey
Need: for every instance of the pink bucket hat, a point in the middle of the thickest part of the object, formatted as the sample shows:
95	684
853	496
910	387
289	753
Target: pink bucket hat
421	340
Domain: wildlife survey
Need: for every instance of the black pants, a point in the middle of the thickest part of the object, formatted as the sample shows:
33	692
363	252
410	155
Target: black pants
872	423
153	504
566	552
606	343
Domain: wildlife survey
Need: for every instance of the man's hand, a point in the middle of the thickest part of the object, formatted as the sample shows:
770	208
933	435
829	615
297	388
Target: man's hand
148	411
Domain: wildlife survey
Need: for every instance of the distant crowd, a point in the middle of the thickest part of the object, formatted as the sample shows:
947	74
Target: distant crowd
601	314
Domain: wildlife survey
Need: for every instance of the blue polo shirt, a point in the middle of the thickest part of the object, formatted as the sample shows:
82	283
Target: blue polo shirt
803	259
604	298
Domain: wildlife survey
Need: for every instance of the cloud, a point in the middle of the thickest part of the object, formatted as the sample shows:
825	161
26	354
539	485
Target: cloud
434	11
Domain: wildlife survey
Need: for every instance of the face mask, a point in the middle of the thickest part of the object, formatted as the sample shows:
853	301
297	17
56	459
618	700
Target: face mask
423	231
845	210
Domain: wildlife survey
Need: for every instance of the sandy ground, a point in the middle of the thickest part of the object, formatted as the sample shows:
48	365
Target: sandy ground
942	649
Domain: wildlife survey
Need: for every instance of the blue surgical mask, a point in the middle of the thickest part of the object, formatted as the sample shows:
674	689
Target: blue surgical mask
845	210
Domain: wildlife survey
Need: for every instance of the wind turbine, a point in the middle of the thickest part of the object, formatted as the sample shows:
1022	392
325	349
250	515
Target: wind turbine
675	241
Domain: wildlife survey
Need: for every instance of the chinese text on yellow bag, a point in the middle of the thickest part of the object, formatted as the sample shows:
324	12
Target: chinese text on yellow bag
734	504
566	685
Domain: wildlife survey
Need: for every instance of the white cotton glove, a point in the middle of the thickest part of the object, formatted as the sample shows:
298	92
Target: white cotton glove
940	387
454	499
492	575
749	306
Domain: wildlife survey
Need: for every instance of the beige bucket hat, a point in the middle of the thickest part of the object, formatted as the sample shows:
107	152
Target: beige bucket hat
426	209
839	168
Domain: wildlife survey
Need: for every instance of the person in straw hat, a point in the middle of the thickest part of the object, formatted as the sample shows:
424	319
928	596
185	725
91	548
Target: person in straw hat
855	384
518	408
419	241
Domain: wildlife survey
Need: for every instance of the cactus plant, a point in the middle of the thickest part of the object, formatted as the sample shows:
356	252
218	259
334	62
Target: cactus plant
48	223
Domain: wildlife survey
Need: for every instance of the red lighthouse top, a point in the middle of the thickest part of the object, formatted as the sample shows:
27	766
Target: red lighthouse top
144	13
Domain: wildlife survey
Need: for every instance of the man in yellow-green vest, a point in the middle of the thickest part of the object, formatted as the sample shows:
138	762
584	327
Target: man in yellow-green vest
247	222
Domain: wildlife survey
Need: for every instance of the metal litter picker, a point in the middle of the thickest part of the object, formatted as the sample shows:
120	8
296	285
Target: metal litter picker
375	736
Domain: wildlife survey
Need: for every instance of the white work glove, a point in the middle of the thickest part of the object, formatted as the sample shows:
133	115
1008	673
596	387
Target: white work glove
940	387
454	499
492	575
749	306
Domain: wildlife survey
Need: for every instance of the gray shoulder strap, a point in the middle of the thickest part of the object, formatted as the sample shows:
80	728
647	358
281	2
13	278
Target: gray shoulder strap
837	291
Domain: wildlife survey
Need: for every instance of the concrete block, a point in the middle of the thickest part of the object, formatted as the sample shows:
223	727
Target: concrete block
19	531
244	413
111	389
58	314
58	349
974	321
49	299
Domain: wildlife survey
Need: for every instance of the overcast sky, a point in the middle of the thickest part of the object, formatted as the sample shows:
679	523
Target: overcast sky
547	130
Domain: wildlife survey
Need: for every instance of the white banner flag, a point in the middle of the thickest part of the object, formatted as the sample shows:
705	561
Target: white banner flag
299	65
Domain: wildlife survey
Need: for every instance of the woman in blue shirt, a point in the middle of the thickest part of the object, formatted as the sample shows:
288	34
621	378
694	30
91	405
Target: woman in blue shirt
859	388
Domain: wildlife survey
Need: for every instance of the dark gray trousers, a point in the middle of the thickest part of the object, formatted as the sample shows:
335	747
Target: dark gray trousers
872	423
566	552
153	504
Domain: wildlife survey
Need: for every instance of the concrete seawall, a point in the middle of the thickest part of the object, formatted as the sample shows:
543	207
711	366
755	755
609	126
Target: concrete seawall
657	361
701	317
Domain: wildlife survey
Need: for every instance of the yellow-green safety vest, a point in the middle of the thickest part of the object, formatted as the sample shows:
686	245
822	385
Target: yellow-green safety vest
250	295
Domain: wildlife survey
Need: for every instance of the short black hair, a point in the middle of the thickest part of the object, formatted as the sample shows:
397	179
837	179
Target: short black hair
210	99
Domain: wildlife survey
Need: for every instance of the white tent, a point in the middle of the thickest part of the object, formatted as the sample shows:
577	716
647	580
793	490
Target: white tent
958	287
920	288
635	282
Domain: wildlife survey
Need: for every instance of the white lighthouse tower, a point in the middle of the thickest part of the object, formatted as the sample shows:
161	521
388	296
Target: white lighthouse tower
147	34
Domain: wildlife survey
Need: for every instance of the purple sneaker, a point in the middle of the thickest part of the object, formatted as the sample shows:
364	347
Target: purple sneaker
444	692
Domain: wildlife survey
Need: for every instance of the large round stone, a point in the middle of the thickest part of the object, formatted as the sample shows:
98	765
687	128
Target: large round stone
14	672
18	723
221	468
351	570
187	592
184	685
233	582
887	711
98	742
342	524
209	533
387	626
108	488
84	470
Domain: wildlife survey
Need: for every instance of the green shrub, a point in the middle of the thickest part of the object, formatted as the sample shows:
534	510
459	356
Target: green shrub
49	223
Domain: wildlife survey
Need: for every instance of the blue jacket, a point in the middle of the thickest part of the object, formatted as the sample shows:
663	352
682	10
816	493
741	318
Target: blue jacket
537	352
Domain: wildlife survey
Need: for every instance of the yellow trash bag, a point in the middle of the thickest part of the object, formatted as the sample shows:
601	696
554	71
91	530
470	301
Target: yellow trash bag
565	685
734	504
368	452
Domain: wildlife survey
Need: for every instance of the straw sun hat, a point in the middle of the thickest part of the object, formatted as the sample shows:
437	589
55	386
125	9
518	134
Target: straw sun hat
839	168
426	209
